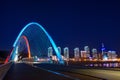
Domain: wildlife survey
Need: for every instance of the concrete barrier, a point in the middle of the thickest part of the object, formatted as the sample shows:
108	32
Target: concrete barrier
3	69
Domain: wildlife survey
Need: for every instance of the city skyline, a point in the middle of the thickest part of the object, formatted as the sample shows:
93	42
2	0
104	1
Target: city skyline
59	39
70	23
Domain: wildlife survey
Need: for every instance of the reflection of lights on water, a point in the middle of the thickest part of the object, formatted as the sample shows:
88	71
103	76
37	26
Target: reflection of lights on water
91	65
95	65
111	65
107	65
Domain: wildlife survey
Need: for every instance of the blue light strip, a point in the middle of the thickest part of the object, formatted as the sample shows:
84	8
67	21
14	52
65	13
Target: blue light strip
49	37
57	73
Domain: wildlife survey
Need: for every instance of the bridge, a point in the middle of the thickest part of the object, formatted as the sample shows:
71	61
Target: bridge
29	60
32	41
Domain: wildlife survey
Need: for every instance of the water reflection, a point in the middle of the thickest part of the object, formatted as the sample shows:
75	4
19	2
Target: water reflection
104	65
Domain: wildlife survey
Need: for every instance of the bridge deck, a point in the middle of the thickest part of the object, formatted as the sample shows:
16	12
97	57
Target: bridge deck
21	71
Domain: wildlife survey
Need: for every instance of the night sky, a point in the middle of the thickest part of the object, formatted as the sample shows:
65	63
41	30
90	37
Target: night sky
71	23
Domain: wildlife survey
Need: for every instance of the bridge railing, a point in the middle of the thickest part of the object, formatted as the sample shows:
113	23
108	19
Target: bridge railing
3	69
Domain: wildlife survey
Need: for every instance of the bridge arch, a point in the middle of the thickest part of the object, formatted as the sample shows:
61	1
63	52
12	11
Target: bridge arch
44	31
28	46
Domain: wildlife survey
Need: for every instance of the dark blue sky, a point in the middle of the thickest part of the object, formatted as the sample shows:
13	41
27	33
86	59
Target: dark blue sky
71	23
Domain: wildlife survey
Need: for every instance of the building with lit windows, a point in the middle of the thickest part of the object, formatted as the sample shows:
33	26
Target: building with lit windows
66	53
86	48
83	55
94	53
112	55
50	52
76	54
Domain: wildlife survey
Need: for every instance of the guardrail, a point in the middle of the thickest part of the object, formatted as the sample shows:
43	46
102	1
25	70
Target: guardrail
3	69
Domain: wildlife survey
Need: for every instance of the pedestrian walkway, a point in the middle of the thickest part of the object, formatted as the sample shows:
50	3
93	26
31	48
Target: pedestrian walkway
21	71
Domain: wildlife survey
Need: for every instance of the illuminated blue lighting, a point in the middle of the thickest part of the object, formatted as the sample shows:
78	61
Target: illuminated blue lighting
103	49
13	54
57	73
49	37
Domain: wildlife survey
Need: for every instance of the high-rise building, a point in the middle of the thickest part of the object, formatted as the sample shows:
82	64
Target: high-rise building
76	54
59	49
103	49
66	53
94	53
104	53
50	52
83	54
112	55
86	48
